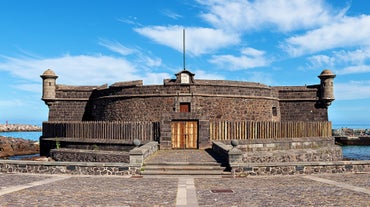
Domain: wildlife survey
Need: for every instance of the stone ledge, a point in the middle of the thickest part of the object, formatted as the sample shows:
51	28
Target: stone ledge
69	168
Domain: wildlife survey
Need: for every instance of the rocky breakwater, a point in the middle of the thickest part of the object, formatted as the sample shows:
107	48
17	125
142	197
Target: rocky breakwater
19	128
16	146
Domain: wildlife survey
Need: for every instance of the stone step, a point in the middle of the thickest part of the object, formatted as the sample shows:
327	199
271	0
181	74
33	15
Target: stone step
183	167
184	172
182	163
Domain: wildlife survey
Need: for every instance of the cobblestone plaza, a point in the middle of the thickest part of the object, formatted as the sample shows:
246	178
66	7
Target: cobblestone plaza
302	190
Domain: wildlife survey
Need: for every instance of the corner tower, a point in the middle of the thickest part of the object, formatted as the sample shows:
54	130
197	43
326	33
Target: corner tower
48	85
326	87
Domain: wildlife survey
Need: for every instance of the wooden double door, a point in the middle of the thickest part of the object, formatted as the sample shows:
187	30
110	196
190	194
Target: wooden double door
184	134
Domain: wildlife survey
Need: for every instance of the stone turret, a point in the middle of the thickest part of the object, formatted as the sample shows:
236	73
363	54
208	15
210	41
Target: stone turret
326	87
48	85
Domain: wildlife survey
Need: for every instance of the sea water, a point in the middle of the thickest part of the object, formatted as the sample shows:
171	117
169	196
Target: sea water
356	152
349	152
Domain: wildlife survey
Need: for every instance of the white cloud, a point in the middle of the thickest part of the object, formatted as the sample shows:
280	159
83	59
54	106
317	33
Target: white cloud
358	56
322	61
79	70
349	32
241	15
250	58
343	62
198	40
353	90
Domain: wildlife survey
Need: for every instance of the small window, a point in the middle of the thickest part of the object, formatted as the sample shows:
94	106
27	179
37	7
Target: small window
274	111
184	107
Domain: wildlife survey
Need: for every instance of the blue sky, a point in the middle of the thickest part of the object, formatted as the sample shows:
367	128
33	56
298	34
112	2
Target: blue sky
274	42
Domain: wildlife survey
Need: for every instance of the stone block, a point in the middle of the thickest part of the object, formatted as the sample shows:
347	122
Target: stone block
235	156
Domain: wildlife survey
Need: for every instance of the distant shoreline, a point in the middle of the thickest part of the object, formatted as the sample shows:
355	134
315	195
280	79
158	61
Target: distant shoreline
19	128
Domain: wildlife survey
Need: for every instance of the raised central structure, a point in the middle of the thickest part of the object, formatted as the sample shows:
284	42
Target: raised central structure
184	113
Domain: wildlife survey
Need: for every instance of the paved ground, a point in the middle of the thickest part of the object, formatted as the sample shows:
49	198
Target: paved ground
317	190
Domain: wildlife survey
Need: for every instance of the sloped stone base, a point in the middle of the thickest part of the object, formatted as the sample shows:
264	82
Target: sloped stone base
78	155
323	154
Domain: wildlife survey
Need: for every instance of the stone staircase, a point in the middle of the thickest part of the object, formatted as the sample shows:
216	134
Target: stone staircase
183	162
184	168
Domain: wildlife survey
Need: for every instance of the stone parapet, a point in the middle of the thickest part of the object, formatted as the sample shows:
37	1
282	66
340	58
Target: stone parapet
233	155
138	155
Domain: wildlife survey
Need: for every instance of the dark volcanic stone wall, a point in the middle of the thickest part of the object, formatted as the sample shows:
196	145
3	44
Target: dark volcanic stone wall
218	100
150	103
67	110
226	108
133	109
301	103
70	103
302	111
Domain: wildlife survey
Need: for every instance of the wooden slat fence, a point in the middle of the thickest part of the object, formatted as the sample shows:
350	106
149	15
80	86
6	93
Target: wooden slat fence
227	130
147	131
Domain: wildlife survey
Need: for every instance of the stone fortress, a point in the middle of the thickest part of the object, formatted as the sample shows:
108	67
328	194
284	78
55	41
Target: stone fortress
188	113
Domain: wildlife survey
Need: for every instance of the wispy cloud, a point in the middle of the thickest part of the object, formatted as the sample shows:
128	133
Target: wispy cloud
141	58
239	15
354	70
249	58
201	74
198	40
30	87
171	14
116	47
12	103
130	20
